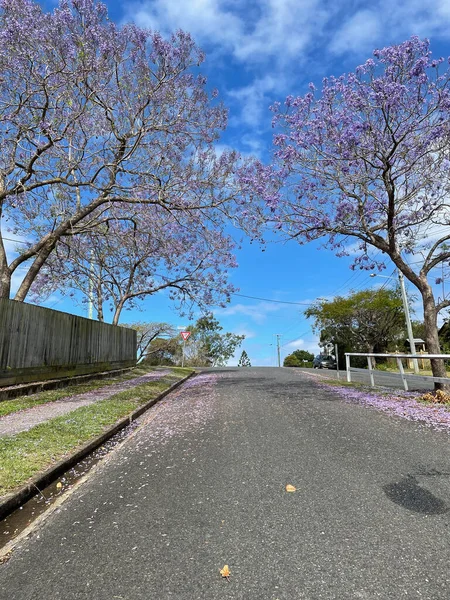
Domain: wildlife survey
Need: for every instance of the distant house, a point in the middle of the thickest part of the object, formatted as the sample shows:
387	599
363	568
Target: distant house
419	343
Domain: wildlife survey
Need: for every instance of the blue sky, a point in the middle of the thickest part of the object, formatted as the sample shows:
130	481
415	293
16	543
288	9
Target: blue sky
259	51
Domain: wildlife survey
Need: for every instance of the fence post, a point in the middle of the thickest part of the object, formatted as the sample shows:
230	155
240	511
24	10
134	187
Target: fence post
347	367
369	364
402	373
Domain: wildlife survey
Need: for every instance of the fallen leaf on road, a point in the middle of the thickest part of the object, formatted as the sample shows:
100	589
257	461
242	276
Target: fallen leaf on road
290	488
58	485
225	572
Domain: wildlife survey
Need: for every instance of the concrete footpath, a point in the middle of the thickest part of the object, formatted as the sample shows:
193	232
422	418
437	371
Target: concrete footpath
202	483
28	418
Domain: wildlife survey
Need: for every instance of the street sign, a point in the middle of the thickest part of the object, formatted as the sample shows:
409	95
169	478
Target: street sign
185	334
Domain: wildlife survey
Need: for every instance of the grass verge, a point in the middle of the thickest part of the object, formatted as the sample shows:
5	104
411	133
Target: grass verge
24	455
8	407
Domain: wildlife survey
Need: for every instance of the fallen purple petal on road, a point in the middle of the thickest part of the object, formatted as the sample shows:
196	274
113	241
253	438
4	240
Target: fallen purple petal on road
187	408
401	404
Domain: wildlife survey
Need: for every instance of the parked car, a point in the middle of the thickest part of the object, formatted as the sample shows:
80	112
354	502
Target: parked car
324	362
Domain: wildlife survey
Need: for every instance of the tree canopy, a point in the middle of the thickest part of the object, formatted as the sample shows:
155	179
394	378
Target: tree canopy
146	333
298	358
367	157
364	321
100	124
244	360
208	346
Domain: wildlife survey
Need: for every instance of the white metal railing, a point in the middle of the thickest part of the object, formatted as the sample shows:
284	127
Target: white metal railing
404	376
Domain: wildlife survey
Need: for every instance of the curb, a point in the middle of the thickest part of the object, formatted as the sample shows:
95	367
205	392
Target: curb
13	500
26	389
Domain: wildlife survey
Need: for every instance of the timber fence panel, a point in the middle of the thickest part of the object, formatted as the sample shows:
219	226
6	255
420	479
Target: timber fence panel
38	343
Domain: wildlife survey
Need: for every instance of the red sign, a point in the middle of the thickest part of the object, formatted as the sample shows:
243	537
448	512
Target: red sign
185	334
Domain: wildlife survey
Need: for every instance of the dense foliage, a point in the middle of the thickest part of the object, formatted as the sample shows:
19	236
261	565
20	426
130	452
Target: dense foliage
365	321
147	333
208	346
299	358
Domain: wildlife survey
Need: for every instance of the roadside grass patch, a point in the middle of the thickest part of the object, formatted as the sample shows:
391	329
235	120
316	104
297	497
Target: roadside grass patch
25	454
8	407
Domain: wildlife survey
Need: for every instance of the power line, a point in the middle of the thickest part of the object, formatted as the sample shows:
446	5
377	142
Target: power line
275	301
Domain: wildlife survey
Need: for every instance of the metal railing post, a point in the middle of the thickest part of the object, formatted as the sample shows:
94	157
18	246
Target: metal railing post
402	373
369	364
347	367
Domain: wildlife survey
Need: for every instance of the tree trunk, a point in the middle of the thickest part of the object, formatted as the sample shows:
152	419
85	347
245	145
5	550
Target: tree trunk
117	312
431	335
33	271
100	316
370	350
5	274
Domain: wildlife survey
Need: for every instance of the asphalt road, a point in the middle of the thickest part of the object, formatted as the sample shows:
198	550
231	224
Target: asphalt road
202	484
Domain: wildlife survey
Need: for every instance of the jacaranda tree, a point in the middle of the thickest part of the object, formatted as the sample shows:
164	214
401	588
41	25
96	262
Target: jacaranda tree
119	265
96	120
367	158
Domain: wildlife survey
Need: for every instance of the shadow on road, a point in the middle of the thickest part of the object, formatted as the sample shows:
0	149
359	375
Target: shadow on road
409	494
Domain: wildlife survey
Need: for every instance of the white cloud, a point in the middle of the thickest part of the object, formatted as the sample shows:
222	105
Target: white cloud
295	345
249	334
280	31
257	312
360	32
389	22
254	100
277	28
311	345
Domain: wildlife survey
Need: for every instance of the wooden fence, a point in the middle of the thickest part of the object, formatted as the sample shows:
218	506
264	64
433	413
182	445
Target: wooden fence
38	343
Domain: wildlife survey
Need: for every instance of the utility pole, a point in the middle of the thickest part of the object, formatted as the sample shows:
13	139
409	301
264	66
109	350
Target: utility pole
91	287
408	321
278	335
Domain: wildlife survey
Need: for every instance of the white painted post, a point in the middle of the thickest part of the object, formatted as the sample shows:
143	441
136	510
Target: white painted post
402	373
369	364
347	366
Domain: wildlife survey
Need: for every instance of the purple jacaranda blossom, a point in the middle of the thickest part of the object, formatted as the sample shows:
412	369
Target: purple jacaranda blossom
366	159
100	121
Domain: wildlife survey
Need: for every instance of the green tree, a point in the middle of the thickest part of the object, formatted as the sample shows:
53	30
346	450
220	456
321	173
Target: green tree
208	346
147	332
163	351
365	321
299	358
244	360
291	361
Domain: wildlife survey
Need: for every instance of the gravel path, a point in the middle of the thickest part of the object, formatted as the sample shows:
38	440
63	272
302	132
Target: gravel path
28	418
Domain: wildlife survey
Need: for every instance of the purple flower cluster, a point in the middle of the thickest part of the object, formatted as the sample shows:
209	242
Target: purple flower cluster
108	133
